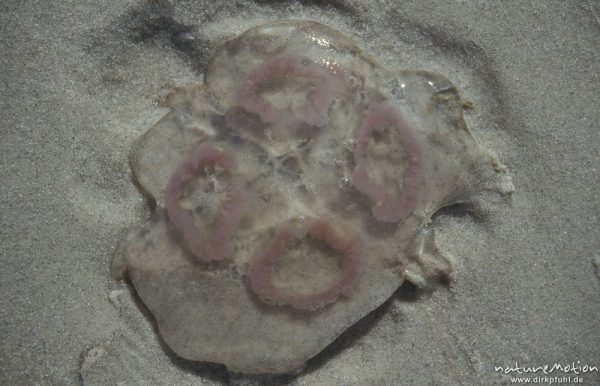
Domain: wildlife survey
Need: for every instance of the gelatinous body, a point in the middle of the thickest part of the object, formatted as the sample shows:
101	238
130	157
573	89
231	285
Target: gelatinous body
310	173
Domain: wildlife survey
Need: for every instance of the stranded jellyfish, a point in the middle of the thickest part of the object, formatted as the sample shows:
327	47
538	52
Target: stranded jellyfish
293	192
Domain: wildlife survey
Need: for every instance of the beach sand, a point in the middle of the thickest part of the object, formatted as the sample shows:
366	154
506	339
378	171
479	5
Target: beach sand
82	80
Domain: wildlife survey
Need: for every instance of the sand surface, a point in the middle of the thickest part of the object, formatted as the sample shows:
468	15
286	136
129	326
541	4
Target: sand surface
81	80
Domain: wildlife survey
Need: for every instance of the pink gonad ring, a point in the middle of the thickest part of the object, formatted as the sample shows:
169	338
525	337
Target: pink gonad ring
385	207
349	246
329	80
215	246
